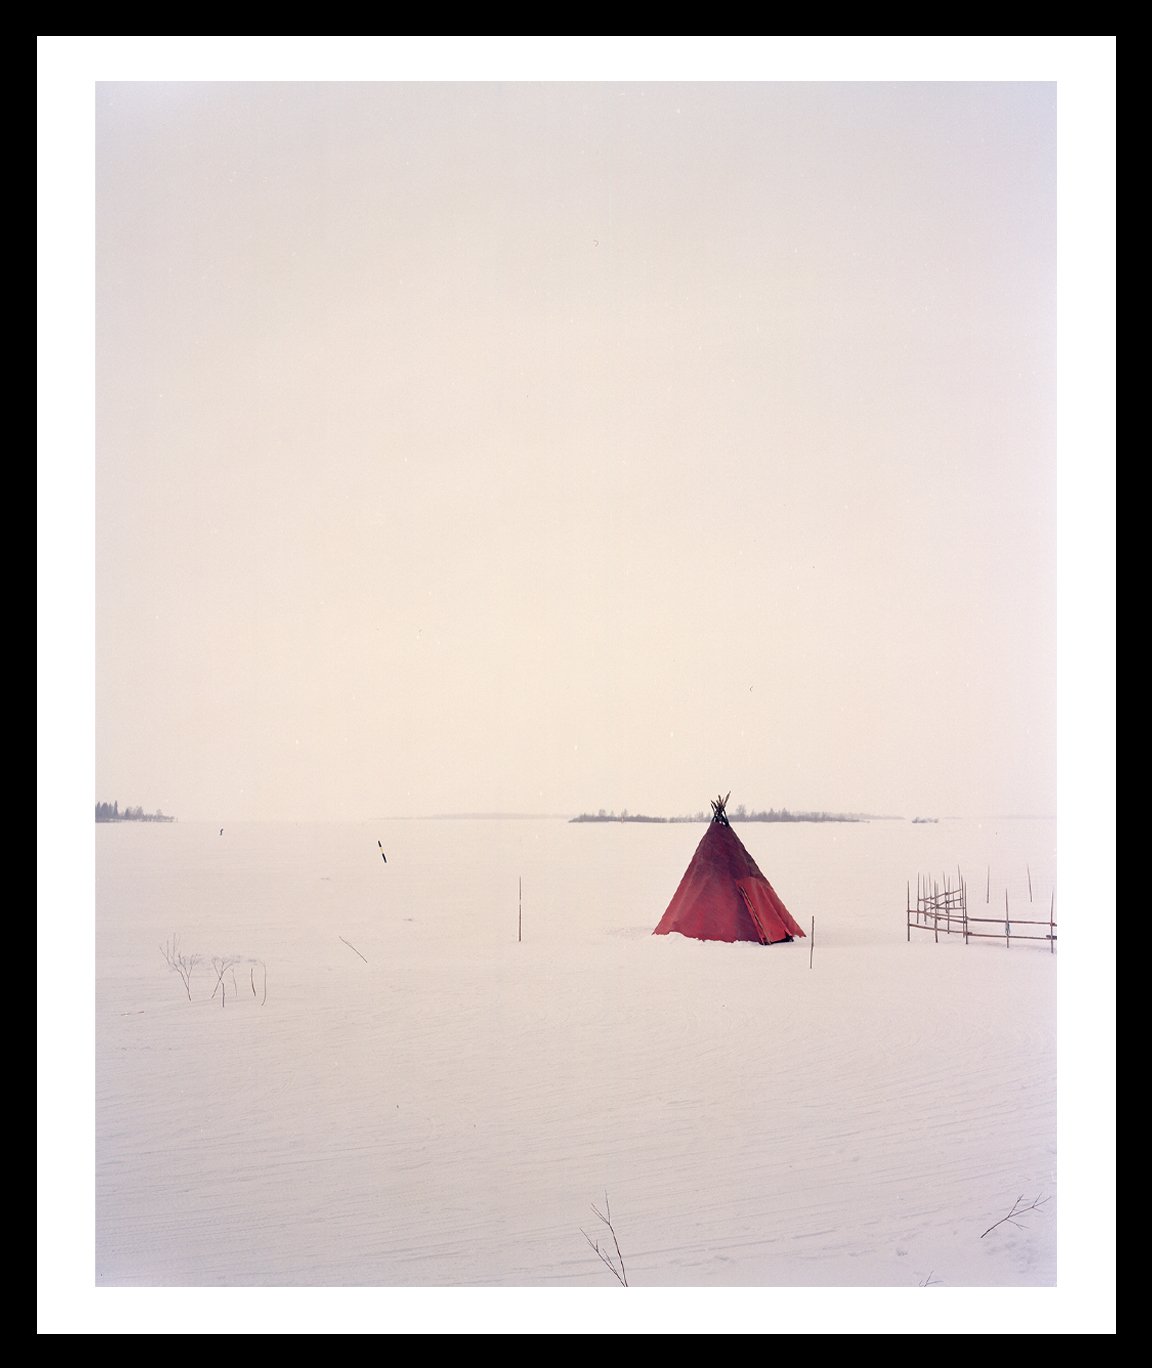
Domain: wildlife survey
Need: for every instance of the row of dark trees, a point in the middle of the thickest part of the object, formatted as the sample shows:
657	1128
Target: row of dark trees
624	816
738	814
742	814
110	812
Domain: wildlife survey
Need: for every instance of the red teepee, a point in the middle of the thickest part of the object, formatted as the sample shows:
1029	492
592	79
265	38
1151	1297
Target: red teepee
723	896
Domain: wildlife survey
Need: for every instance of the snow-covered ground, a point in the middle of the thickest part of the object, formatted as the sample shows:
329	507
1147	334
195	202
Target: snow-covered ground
394	1092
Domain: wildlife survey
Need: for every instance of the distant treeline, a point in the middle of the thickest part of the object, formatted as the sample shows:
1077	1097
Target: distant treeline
738	814
110	812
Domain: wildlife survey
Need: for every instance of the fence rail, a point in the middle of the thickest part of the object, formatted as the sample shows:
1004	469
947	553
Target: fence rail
942	908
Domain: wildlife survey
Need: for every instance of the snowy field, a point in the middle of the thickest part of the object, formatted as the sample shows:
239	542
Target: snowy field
394	1092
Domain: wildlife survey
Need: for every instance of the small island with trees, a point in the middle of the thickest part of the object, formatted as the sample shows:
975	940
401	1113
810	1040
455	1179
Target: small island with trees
110	812
738	814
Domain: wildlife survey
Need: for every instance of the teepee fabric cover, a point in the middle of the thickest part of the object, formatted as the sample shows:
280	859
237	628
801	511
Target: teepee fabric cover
723	896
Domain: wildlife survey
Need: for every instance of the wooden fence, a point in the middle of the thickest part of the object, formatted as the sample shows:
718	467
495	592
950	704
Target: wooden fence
941	907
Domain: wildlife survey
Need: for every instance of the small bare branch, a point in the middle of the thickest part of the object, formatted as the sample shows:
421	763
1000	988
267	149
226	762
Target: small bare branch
351	947
181	963
222	966
604	1259
619	1273
1018	1210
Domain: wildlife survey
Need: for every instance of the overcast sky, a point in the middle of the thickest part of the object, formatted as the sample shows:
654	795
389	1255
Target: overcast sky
548	446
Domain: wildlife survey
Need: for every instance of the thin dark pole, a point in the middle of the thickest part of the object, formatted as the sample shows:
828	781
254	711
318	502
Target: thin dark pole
812	943
1007	924
1052	924
988	886
1029	883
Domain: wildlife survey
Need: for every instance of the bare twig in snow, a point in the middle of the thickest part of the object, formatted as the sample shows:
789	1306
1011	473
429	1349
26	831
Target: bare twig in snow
930	1281
620	1273
222	965
252	978
352	947
1018	1210
183	964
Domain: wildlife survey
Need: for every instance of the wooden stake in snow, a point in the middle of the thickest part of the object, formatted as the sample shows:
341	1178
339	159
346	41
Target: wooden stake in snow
812	943
1029	883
